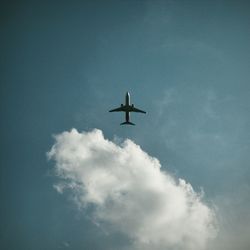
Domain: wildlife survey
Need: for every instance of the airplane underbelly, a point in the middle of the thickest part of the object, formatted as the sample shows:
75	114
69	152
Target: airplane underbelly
127	116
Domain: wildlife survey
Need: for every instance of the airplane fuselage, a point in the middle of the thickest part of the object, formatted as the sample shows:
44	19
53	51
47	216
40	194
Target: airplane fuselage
127	103
127	99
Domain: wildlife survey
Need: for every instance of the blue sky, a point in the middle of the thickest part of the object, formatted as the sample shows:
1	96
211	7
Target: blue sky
64	65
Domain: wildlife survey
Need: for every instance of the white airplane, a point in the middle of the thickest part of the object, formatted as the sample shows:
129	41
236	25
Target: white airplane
127	108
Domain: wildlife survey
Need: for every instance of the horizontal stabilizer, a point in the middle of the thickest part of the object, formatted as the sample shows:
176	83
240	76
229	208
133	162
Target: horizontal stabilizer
127	123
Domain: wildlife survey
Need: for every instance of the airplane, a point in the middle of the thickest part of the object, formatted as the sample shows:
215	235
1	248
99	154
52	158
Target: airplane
127	108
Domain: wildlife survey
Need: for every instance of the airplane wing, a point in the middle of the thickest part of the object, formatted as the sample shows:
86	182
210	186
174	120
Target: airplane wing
133	109
117	109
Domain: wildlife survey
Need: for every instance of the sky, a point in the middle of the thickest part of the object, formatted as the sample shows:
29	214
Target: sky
65	64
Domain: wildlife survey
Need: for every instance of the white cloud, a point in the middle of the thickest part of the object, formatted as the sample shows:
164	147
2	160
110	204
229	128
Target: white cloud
130	193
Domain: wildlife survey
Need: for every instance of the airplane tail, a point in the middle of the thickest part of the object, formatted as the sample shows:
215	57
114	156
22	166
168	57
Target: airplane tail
127	123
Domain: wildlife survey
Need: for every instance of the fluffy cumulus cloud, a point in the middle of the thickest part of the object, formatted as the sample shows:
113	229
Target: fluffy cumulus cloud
130	194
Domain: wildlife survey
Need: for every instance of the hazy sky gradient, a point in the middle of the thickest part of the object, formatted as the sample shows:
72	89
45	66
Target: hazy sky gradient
65	64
